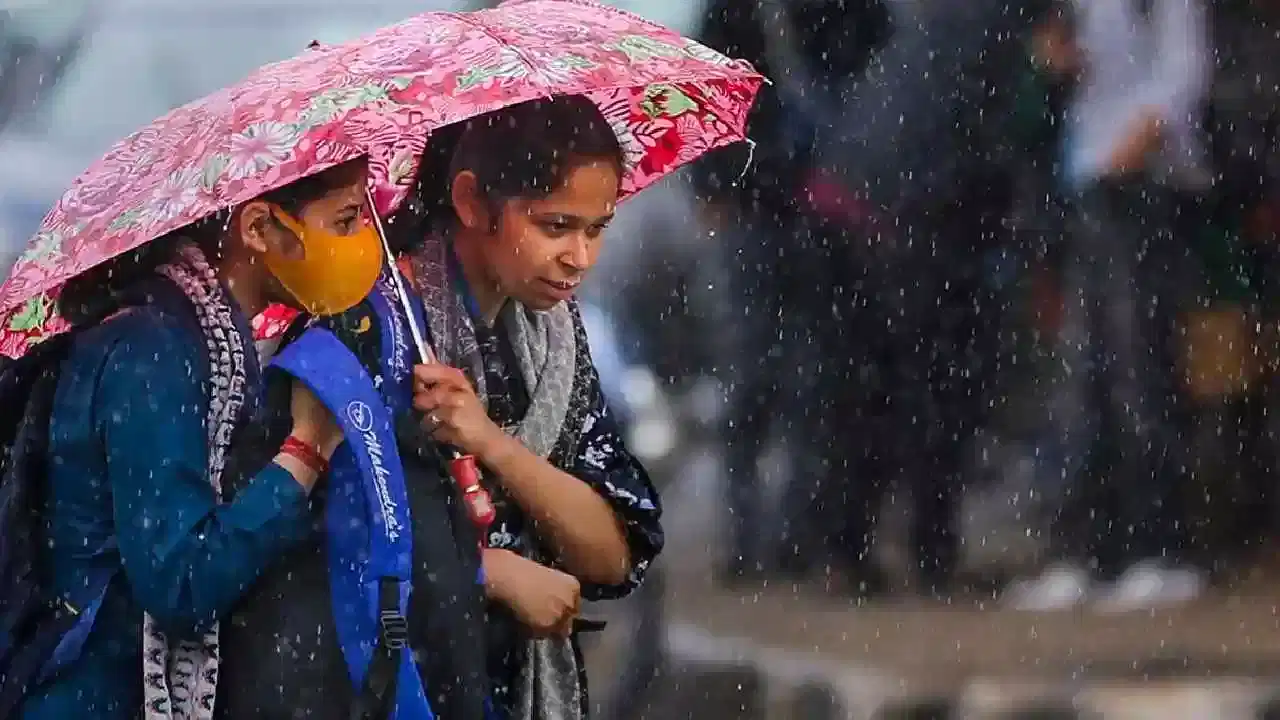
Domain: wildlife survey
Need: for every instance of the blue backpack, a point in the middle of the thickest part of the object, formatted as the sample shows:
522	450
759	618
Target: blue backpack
369	530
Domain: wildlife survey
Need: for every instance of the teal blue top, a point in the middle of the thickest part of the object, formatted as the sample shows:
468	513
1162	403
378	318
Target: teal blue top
128	487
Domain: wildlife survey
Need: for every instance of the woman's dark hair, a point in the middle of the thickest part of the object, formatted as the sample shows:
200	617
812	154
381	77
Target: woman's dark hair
97	292
525	152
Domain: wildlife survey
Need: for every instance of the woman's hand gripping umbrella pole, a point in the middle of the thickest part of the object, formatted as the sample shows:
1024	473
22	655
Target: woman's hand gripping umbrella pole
463	469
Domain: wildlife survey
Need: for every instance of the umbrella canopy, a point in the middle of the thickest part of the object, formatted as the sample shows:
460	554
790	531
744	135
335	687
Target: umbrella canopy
669	99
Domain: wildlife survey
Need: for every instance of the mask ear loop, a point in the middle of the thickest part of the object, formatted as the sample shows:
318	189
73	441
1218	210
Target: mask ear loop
288	221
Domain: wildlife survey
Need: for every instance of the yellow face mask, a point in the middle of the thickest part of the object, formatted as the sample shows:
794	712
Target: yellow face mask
336	271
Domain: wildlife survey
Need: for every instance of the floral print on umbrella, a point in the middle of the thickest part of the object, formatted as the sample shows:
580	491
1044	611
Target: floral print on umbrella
668	98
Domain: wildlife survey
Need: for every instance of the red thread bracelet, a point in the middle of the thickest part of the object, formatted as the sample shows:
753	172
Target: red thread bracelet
305	454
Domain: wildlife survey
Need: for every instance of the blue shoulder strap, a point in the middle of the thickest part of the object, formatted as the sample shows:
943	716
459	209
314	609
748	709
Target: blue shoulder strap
57	643
398	354
83	604
368	522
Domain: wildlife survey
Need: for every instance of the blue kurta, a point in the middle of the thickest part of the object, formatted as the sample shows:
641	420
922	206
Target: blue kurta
128	486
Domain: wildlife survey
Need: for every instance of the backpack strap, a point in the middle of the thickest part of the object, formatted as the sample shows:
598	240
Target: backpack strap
397	353
57	641
368	530
398	360
80	610
374	699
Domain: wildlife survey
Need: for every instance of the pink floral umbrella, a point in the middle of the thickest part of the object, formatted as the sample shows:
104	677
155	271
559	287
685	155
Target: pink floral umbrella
670	99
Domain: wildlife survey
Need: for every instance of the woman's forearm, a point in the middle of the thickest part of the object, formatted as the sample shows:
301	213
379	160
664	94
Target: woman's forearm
579	525
497	563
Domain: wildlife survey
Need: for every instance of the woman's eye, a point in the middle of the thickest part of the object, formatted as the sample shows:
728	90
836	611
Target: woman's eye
556	228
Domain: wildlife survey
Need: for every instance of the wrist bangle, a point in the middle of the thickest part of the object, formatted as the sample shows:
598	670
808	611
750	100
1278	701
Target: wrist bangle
305	454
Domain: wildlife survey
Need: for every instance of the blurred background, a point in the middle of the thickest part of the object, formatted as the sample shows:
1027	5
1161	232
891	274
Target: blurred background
959	383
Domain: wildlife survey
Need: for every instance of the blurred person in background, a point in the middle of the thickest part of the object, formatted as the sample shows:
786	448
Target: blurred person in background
880	238
783	262
1137	167
1227	366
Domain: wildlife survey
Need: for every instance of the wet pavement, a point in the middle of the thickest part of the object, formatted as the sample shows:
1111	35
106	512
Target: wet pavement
788	651
799	655
934	647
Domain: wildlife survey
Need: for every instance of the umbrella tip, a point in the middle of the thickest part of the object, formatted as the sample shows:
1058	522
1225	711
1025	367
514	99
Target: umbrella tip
313	45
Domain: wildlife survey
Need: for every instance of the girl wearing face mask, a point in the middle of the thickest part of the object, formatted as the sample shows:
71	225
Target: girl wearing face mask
156	386
530	191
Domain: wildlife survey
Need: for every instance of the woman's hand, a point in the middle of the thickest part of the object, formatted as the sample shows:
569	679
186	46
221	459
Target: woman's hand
313	423
544	599
453	413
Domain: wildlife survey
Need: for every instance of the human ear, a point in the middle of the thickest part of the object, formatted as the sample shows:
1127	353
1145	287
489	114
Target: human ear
252	226
467	201
261	232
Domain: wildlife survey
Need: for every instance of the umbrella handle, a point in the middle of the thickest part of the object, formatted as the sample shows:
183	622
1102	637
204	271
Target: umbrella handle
466	475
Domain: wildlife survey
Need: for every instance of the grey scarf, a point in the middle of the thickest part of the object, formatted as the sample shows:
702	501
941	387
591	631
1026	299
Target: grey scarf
545	345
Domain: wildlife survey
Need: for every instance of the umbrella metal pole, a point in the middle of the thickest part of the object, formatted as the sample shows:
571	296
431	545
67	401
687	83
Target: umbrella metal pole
462	468
419	336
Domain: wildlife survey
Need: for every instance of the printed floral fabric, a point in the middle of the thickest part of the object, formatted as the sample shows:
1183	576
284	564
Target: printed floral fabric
273	322
602	461
670	99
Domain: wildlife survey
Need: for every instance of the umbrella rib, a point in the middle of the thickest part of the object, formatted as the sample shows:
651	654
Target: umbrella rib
462	18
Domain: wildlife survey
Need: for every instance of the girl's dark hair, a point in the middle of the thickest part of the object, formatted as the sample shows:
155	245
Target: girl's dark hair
97	292
524	152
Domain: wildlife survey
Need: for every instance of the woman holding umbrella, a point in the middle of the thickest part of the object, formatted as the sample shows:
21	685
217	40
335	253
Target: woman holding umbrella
150	393
516	388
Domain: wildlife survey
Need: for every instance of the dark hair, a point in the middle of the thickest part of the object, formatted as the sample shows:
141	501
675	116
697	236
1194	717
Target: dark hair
525	151
98	291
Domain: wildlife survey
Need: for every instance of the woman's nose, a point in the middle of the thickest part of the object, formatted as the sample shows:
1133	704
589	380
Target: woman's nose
578	254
